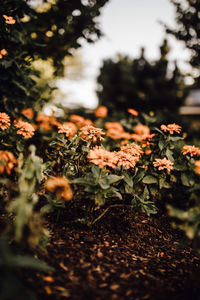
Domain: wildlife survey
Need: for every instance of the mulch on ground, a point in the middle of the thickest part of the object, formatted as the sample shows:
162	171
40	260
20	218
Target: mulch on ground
118	258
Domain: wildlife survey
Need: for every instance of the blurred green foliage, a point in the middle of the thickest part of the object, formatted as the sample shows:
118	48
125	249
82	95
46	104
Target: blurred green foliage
187	27
141	84
48	31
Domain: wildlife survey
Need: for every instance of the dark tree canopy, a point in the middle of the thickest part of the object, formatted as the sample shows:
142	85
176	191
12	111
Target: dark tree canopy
141	84
50	33
188	27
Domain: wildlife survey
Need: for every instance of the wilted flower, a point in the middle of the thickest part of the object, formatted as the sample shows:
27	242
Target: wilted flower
9	20
133	149
133	112
60	186
28	112
101	111
4	121
26	129
91	133
102	158
68	128
7	161
125	159
171	128
197	167
192	150
163	163
142	130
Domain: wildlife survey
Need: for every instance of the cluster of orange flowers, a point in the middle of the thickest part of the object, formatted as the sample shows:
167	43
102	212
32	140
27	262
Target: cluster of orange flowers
102	158
60	186
2	53
46	122
171	128
7	161
116	131
192	150
101	112
80	121
9	20
133	149
68	128
127	156
125	159
197	167
163	163
91	133
24	128
142	134
4	121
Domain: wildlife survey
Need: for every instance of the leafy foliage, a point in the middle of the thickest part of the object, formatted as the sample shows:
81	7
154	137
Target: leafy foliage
187	27
33	31
141	84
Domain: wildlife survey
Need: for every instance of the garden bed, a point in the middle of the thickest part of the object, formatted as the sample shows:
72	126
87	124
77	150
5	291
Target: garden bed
117	258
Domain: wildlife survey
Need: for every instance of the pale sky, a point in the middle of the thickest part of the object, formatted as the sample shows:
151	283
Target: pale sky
127	25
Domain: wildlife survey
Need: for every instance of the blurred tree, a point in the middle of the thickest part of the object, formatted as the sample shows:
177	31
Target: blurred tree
141	84
29	32
188	27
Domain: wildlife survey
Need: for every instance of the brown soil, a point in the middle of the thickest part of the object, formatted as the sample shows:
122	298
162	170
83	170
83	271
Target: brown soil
118	258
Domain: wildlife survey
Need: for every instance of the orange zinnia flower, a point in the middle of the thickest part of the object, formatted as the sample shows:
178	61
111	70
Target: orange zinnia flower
142	129
192	150
78	120
171	128
163	163
133	149
28	112
115	126
9	20
115	134
125	159
101	112
7	161
91	133
46	122
4	121
197	167
68	128
60	186
102	158
3	52
133	112
26	129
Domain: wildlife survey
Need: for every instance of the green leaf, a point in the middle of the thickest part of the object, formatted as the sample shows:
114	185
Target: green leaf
99	199
185	179
96	171
104	183
149	179
30	262
161	145
114	178
83	181
175	138
164	184
139	176
128	179
169	155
